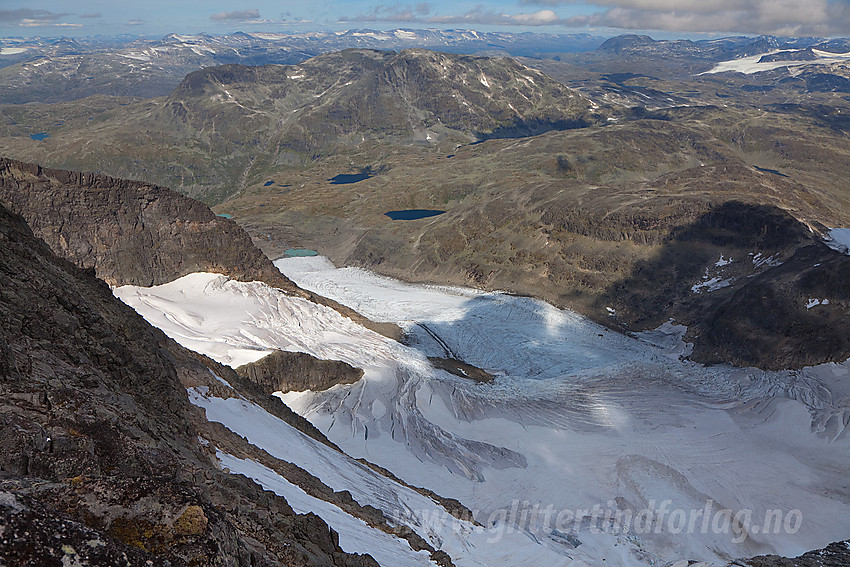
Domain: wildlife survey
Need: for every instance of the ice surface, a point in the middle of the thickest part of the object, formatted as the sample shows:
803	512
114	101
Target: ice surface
759	260
573	420
839	239
711	283
467	543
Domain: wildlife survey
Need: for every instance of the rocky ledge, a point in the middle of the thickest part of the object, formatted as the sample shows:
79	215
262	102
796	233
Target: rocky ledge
284	371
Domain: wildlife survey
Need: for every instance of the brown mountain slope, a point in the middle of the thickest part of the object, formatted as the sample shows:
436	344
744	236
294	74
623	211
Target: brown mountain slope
578	217
226	127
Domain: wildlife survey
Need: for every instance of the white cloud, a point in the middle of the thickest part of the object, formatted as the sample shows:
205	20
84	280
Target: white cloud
28	18
537	18
28	23
779	17
239	15
658	5
421	14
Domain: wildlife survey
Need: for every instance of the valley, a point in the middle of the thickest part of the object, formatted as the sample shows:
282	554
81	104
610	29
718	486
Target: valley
568	179
346	299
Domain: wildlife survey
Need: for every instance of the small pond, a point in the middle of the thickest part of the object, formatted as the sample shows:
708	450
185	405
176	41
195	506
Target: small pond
40	136
225	215
773	171
299	252
346	178
413	214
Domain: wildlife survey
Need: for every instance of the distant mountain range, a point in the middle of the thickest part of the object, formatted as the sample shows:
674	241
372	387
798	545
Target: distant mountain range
33	69
53	70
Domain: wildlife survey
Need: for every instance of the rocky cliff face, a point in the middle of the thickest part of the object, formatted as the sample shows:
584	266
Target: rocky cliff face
99	444
130	232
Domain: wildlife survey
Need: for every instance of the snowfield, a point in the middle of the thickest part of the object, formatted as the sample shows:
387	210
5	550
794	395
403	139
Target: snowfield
589	445
752	64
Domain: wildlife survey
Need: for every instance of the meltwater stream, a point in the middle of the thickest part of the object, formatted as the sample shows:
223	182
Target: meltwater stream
593	444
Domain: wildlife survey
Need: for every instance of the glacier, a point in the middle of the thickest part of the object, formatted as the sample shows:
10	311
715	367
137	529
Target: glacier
581	422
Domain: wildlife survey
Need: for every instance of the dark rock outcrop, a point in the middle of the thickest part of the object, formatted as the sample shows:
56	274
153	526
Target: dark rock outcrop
99	441
283	371
462	369
836	554
741	276
130	232
790	316
799	55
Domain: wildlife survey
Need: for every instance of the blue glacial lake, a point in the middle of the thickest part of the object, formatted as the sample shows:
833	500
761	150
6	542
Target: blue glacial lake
40	136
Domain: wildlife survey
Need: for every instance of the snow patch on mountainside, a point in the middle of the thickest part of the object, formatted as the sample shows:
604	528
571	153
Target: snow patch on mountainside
753	63
814	302
839	240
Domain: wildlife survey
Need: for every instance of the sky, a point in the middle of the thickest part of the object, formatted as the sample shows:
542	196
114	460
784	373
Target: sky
665	18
